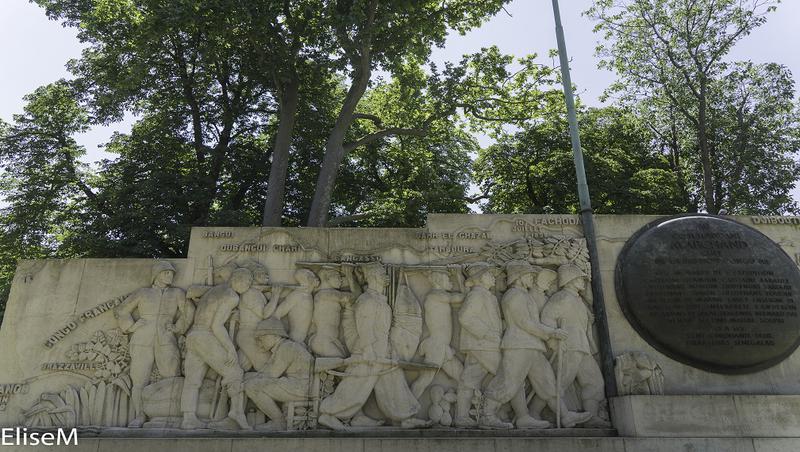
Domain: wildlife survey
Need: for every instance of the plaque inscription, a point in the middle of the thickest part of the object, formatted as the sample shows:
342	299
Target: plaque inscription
710	292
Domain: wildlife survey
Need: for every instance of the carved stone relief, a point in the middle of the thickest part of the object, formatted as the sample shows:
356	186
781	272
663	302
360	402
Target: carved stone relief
638	374
495	338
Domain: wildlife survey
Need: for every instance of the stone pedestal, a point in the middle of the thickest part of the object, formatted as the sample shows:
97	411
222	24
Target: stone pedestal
491	444
707	416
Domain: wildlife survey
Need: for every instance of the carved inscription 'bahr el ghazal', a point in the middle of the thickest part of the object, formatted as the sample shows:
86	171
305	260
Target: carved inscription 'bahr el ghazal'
711	292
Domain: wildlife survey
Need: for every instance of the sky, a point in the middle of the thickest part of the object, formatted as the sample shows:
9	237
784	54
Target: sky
34	50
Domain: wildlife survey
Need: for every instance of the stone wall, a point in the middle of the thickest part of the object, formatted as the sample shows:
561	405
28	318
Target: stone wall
72	355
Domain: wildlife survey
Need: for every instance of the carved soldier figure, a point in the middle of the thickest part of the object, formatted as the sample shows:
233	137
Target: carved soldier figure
370	368
285	377
299	305
208	344
439	321
524	356
162	311
566	308
481	332
329	301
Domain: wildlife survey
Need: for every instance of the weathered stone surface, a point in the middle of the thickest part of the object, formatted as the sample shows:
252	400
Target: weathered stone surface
438	444
679	378
297	329
711	292
404	327
707	416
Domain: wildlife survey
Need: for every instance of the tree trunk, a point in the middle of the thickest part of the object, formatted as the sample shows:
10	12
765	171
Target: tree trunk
276	187
675	154
334	149
705	151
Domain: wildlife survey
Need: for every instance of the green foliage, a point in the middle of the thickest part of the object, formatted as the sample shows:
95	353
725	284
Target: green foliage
44	184
756	135
226	91
398	181
707	114
532	170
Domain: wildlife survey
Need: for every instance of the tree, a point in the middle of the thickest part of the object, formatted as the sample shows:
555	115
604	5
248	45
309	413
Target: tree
385	35
44	184
670	56
173	61
292	56
757	134
397	181
532	171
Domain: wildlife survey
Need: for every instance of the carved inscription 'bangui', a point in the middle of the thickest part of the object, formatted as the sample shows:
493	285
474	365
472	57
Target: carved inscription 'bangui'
712	293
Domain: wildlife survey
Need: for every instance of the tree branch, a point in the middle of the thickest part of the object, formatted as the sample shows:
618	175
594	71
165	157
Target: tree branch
390	132
345	218
370	117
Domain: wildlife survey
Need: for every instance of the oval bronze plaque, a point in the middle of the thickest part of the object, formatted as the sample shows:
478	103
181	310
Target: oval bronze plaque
711	293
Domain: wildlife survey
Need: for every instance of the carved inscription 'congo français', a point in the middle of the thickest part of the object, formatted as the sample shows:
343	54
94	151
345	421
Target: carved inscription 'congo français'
84	316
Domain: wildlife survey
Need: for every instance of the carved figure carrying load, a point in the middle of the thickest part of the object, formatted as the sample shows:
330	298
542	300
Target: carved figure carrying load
524	357
208	344
372	369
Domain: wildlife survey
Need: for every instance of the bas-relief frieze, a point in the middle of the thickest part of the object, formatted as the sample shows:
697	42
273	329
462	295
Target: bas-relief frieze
499	336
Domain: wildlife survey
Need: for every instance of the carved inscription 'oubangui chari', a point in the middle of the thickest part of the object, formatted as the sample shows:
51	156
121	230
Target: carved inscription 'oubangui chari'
711	292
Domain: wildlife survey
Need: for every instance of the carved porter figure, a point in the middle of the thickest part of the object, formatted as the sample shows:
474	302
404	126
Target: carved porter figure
481	332
299	305
253	308
566	308
370	368
153	331
329	302
524	356
285	377
208	344
439	321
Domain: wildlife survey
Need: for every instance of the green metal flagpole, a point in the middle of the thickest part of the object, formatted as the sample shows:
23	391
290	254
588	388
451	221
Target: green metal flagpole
606	354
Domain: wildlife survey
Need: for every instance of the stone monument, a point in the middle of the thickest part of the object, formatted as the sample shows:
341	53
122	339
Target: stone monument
476	326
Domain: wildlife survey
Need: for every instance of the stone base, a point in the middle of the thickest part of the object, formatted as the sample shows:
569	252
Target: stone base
707	416
466	444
